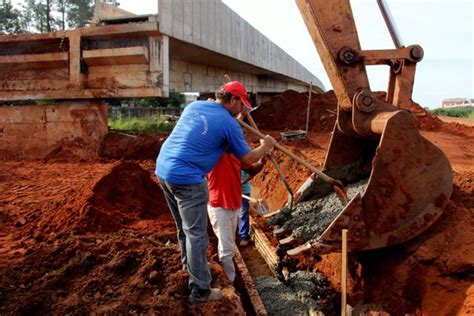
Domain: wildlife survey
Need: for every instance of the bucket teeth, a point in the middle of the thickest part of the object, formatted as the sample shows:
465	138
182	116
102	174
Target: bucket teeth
317	247
290	240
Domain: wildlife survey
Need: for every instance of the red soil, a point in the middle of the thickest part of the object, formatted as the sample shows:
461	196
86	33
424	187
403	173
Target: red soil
430	275
92	237
81	233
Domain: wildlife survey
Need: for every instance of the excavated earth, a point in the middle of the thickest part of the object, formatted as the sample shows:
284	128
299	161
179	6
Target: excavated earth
93	237
432	274
91	233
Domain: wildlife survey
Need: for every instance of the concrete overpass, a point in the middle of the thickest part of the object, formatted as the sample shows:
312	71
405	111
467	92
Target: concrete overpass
208	39
187	47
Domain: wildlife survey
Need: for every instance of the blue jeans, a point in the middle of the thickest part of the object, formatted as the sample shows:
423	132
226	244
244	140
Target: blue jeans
244	220
188	205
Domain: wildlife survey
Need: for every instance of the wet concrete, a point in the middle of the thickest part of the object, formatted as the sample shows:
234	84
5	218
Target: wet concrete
303	292
308	220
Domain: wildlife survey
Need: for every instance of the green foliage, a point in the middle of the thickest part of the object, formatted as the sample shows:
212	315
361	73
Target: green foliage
155	123
46	15
11	21
175	99
462	111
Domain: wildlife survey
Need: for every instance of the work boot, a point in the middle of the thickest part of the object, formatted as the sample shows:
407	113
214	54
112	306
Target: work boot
204	295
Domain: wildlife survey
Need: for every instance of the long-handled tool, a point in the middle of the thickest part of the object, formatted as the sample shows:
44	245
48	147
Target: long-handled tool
260	204
277	167
337	185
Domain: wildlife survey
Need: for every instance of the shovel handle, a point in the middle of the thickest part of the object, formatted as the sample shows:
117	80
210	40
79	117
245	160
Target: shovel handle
249	198
323	176
272	158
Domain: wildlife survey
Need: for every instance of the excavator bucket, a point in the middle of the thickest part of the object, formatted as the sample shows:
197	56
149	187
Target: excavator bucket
410	180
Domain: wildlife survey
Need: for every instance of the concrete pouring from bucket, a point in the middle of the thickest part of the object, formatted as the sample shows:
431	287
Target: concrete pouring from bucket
308	220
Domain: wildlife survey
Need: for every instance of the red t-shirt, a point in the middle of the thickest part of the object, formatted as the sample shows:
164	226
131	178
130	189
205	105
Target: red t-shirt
225	189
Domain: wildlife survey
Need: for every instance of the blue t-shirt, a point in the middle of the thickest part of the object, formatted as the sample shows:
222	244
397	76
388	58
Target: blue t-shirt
204	130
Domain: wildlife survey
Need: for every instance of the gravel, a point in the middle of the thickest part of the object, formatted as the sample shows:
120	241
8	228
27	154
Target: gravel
308	220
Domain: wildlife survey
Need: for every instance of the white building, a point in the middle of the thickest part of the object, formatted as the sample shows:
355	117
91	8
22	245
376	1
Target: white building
456	102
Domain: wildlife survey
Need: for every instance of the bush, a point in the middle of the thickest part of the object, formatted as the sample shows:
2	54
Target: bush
155	123
462	111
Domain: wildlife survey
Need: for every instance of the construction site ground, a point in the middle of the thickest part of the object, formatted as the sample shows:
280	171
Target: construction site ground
95	236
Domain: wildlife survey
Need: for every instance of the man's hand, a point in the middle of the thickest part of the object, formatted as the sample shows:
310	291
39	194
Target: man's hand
267	143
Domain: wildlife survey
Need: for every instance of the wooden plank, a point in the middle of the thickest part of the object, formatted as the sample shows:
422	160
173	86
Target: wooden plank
116	56
344	274
255	299
264	247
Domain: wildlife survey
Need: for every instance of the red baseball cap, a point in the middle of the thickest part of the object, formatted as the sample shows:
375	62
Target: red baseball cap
237	89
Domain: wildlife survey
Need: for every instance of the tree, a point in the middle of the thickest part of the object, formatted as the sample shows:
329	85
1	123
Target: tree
38	15
81	11
11	21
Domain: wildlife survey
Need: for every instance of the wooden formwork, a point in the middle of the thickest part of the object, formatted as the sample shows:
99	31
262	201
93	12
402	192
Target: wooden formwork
263	245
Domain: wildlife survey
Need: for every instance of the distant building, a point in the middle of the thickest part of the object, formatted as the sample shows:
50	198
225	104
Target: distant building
455	102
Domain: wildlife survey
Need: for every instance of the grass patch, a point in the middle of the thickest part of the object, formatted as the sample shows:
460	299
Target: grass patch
462	111
154	123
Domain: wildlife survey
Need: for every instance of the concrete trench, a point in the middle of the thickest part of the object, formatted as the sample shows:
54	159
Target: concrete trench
303	293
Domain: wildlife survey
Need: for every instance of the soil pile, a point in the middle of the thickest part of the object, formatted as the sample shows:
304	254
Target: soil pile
131	146
93	238
287	111
118	198
75	150
431	274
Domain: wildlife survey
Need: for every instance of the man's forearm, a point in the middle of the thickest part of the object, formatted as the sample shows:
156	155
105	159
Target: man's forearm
253	156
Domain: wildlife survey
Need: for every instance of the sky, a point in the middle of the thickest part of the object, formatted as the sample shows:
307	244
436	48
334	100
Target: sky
444	28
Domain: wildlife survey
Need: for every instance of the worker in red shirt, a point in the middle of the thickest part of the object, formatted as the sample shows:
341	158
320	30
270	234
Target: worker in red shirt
225	201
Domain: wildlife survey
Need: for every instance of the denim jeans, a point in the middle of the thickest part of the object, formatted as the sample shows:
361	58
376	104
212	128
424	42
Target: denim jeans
244	220
188	205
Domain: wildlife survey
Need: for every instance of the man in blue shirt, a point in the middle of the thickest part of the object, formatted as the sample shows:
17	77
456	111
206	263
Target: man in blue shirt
203	132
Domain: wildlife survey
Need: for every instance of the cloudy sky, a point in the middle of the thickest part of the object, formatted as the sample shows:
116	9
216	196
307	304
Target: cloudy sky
445	30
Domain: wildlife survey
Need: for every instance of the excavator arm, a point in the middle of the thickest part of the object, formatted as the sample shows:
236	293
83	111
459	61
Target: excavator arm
409	179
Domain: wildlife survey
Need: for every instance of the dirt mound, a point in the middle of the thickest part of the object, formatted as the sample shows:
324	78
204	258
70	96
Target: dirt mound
426	121
132	147
122	259
119	197
74	150
287	111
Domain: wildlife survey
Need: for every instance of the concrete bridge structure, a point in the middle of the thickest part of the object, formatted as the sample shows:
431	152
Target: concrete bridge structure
187	47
